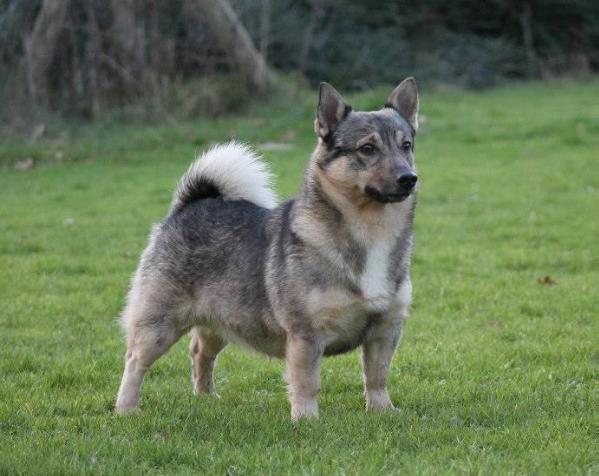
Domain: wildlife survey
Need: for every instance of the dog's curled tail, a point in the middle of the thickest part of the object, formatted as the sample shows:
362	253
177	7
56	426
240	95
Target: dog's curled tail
230	170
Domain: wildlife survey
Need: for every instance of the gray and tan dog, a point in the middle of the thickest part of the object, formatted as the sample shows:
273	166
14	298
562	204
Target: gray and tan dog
321	274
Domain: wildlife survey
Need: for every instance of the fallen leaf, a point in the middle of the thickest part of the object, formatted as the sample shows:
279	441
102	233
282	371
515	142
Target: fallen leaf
546	281
495	324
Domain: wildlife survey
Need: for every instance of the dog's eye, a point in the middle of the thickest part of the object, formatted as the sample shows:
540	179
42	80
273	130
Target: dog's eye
367	149
406	146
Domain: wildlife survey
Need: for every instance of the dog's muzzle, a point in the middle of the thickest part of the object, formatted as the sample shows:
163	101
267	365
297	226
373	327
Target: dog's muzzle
405	185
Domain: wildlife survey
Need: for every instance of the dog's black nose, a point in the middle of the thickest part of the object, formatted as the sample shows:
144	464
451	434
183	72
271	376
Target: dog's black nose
407	181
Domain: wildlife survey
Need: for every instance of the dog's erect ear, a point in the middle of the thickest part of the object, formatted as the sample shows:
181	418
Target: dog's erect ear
332	109
404	99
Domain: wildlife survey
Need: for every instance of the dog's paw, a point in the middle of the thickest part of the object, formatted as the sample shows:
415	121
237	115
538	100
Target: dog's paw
378	400
209	394
301	411
124	410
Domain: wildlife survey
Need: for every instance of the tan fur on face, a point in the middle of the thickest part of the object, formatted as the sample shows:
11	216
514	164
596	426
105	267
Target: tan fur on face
339	179
399	137
344	186
341	182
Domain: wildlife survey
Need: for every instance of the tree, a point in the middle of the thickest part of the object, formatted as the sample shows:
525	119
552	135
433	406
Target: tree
234	40
127	43
41	45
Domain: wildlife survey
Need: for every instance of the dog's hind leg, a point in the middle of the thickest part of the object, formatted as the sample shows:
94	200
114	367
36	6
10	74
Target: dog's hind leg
148	337
203	350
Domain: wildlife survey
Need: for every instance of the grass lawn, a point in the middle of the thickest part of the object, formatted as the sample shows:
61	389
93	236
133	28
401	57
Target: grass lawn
497	370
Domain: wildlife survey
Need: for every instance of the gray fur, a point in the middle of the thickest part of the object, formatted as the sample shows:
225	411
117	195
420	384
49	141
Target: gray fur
298	281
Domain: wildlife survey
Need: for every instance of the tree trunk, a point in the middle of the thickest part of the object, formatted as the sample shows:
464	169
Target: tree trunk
92	54
127	40
525	19
42	44
315	12
265	29
124	27
235	41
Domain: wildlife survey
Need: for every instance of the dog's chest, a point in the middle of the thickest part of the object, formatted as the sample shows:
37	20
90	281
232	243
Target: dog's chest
375	281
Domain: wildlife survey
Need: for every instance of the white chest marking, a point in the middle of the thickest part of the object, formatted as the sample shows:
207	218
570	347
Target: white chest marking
374	281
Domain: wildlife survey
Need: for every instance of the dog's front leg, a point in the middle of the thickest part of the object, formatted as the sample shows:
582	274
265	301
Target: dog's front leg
377	352
303	372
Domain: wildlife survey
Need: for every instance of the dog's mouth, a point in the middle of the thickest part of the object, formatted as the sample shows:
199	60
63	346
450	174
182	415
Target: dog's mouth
380	197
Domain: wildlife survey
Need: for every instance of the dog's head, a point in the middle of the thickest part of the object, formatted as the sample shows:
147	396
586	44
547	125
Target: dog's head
370	154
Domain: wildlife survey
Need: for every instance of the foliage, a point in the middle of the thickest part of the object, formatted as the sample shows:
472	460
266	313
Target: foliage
495	371
101	63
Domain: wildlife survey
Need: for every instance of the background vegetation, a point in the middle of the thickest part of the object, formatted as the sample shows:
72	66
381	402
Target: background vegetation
496	373
152	58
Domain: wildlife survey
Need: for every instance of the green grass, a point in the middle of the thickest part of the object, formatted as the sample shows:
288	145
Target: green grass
496	372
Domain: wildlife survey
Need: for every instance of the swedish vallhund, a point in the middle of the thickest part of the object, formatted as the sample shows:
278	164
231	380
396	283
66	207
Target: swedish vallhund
320	274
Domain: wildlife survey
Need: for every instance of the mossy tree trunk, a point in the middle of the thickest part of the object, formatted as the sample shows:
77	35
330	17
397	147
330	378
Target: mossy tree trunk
232	37
41	45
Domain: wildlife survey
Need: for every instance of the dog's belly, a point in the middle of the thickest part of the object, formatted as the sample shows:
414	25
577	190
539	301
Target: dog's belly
271	344
341	330
257	331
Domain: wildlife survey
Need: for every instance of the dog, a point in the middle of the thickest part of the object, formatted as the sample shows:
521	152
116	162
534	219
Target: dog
320	274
